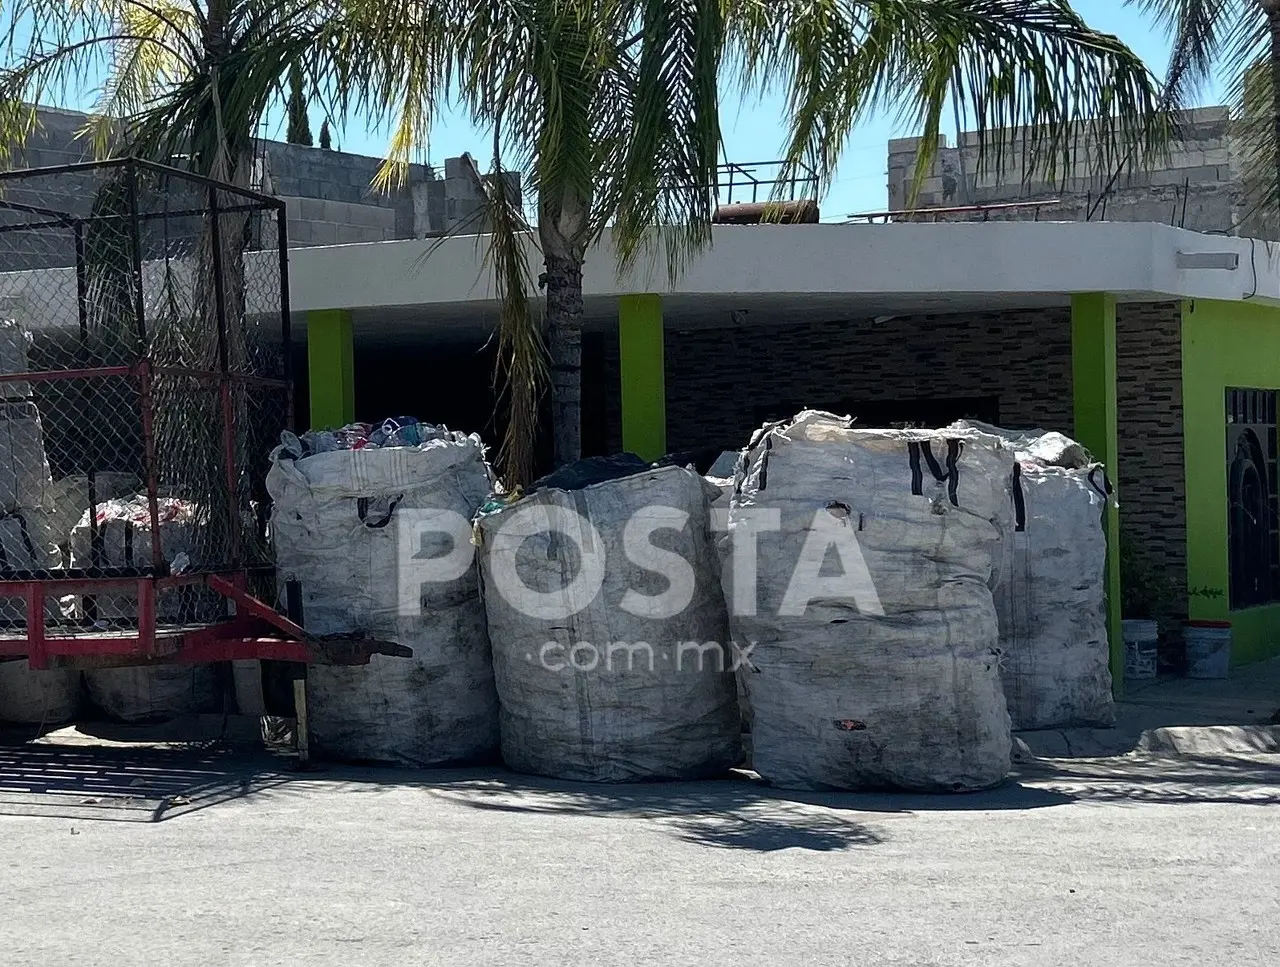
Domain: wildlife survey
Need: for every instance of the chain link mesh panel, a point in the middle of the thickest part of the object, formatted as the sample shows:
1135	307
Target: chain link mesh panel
143	378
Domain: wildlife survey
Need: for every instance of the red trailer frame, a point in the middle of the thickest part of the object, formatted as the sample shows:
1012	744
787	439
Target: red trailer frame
150	247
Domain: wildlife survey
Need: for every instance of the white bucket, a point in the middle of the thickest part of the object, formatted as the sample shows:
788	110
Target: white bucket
1208	648
1141	644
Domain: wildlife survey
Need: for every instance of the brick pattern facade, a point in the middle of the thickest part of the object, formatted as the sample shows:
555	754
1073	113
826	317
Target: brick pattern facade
1152	471
718	379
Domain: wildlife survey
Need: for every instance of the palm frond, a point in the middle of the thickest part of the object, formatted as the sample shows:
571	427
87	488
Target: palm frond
1198	29
1254	93
662	189
1027	73
521	374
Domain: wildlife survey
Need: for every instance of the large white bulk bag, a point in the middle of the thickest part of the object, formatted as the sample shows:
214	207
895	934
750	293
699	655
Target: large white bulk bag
246	678
1051	591
26	541
15	344
71	499
26	545
345	525
615	684
124	528
25	480
38	696
153	693
872	632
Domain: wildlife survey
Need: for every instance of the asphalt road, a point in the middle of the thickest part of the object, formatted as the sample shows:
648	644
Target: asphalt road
116	857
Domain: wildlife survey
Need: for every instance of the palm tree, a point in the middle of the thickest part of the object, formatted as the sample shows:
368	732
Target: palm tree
177	78
1238	40
610	108
173	75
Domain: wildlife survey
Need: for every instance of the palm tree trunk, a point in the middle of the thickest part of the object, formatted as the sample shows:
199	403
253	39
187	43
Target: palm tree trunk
1272	9
564	347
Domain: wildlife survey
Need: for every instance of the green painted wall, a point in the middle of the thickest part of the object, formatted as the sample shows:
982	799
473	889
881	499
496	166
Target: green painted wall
1093	380
330	368
642	360
1223	344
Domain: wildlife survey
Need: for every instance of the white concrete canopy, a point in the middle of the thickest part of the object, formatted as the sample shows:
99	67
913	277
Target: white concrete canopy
925	267
805	272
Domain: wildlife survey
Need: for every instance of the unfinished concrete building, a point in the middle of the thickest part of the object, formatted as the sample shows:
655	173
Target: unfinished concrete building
328	193
1198	183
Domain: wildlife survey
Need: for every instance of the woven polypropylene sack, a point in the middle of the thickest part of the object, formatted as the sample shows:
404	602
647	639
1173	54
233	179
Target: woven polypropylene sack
340	522
25	480
617	684
29	696
881	670
153	693
15	344
1051	592
124	534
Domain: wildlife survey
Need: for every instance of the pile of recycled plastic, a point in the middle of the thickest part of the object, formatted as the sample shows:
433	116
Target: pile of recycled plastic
401	431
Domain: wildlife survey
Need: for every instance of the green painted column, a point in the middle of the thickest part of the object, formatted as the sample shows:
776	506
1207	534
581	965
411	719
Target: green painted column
1093	374
643	365
330	376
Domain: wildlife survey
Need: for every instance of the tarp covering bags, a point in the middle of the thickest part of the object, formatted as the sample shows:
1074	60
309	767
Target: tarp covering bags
1051	591
881	670
45	696
344	524
609	631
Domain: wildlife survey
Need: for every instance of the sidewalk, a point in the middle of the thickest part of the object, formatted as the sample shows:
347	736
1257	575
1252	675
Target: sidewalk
1171	715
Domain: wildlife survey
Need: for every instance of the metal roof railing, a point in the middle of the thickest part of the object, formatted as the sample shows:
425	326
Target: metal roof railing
933	214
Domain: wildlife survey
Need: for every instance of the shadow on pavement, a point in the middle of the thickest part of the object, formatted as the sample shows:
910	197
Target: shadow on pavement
140	783
736	812
135	784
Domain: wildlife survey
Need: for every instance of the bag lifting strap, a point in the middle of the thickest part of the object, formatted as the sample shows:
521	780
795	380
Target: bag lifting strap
362	508
952	475
1019	499
1106	490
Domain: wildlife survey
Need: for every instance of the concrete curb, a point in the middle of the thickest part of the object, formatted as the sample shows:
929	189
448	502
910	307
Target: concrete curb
1211	740
1182	740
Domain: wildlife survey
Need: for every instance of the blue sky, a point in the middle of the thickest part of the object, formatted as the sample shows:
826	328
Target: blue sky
752	131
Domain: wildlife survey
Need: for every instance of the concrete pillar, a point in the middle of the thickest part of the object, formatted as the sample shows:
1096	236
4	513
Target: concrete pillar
643	367
1093	374
330	374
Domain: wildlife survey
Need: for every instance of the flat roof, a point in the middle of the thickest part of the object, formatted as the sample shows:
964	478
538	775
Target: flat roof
791	271
1013	261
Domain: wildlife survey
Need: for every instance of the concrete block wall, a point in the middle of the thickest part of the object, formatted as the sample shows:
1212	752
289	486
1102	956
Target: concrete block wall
52	143
718	378
1202	165
319	221
425	205
344	181
329	193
